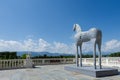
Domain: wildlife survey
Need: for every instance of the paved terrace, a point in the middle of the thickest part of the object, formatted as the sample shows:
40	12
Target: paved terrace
48	72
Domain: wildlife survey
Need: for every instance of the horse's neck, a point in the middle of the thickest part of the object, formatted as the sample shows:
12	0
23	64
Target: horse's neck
78	29
78	34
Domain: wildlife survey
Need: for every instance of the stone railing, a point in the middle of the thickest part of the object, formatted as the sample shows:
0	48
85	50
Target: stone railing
106	61
49	61
11	63
19	63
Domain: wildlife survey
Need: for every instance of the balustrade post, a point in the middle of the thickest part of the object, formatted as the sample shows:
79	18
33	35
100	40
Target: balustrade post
107	61
17	63
43	61
64	61
3	64
12	63
20	63
8	63
0	64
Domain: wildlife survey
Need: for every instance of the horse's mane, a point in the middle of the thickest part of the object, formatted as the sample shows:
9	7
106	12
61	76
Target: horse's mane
78	27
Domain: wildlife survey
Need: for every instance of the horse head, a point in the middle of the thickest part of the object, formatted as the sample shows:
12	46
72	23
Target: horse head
76	28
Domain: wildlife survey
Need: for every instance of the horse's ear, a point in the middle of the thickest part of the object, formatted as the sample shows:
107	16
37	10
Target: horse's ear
74	27
79	28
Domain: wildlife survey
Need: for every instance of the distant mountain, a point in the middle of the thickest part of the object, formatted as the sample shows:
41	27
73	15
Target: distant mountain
91	53
54	54
42	53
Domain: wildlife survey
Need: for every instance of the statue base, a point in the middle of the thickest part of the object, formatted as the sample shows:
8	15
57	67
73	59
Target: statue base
92	72
28	63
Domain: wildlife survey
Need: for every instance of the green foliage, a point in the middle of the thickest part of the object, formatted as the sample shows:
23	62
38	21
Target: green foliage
8	55
87	55
23	56
13	55
45	55
116	54
61	56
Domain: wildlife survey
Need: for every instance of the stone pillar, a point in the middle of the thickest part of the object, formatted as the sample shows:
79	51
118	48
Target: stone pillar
43	61
12	63
0	64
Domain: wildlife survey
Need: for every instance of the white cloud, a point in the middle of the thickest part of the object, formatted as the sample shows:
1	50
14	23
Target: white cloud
88	46
10	45
60	47
28	45
111	46
42	45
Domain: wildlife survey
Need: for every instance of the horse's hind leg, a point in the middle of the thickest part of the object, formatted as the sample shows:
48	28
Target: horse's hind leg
99	49
80	55
99	41
77	56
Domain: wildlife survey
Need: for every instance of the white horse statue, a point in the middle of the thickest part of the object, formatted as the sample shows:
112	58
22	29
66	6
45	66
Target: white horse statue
85	36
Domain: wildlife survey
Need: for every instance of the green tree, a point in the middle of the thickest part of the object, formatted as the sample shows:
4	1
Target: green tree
23	56
8	55
45	56
116	54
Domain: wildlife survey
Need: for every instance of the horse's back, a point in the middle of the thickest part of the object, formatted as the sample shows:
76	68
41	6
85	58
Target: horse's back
94	32
93	29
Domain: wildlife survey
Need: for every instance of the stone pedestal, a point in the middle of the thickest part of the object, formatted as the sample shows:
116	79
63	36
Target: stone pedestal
28	62
92	72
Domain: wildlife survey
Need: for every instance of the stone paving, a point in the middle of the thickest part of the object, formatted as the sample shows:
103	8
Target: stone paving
48	72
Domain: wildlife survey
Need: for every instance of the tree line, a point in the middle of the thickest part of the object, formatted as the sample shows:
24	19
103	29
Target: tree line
13	55
116	54
8	55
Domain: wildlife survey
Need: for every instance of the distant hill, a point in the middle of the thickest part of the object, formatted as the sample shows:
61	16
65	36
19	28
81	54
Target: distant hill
54	54
97	53
42	53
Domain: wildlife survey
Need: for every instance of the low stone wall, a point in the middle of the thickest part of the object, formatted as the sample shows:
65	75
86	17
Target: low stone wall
106	61
20	63
50	61
11	63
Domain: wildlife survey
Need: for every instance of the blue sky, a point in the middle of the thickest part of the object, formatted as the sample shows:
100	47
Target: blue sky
52	20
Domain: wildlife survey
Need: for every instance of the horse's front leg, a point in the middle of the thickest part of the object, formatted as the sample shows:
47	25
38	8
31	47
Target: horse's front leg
80	55
94	55
77	56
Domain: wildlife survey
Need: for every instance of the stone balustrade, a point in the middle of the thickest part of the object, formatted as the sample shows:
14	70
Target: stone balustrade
106	61
11	63
48	61
19	63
